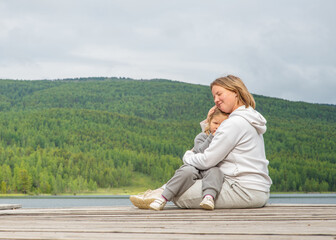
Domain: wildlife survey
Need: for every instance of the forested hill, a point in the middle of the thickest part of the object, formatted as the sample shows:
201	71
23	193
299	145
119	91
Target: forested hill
154	100
82	134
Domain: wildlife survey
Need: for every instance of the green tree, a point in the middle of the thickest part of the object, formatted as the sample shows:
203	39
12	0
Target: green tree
3	187
24	181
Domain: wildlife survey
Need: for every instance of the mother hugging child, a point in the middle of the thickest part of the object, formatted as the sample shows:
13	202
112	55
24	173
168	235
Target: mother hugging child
227	168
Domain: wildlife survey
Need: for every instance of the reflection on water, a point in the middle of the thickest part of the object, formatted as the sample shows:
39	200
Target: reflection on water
67	201
304	198
112	200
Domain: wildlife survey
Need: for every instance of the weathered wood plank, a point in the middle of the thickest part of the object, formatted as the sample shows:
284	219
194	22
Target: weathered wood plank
9	206
271	222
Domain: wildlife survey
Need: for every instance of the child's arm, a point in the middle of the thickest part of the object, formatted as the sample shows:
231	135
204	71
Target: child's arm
202	142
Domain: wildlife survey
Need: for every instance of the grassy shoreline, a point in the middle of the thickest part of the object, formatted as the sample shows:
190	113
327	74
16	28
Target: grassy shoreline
124	192
114	191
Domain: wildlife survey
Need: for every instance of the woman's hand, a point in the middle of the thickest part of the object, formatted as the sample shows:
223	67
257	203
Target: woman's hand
211	111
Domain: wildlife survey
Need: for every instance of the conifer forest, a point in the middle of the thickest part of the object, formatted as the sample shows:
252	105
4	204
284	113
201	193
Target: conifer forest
75	135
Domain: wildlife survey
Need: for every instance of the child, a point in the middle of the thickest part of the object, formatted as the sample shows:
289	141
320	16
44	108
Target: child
186	175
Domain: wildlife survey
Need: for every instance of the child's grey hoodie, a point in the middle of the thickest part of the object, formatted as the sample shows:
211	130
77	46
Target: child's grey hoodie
202	142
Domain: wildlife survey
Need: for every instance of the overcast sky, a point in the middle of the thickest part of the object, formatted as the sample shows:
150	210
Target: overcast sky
284	49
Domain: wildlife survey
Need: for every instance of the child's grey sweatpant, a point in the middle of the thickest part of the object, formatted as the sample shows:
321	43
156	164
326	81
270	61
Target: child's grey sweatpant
186	176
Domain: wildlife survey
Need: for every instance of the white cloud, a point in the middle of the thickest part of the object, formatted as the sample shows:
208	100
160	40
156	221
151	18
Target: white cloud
280	48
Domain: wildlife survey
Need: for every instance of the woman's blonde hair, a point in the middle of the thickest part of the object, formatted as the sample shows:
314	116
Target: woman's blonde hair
236	85
217	112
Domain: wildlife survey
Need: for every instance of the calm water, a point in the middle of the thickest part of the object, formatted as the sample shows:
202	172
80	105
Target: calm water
111	200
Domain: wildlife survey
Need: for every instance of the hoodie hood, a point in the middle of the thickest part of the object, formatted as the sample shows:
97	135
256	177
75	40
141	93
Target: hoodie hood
253	117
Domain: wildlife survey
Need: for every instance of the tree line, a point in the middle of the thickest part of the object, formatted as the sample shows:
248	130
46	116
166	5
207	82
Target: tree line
82	134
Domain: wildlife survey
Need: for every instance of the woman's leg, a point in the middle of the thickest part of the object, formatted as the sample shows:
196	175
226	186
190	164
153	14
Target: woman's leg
232	195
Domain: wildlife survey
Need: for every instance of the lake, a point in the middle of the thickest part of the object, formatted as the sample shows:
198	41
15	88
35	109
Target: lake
122	200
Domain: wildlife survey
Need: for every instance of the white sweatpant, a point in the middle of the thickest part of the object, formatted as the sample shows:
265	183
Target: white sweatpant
232	195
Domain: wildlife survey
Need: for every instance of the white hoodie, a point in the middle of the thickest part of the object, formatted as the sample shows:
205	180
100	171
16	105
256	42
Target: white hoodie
238	150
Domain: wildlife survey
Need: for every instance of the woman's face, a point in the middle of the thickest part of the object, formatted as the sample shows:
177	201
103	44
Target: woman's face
224	99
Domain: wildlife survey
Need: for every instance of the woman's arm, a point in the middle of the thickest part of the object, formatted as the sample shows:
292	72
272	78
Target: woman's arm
225	139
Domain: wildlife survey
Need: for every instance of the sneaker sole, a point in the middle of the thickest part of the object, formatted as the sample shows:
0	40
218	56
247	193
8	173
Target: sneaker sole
140	202
157	207
207	206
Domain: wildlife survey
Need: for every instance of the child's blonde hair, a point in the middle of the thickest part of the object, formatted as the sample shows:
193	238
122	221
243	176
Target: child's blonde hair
216	112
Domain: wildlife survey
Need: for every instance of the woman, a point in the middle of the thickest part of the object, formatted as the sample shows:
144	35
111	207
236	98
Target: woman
237	149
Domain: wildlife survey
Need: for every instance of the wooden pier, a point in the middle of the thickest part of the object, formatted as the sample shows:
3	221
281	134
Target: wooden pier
9	206
271	222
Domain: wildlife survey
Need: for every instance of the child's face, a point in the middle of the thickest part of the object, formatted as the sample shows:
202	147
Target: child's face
215	122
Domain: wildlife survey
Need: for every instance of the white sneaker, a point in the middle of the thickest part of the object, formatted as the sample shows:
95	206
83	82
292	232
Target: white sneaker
143	200
158	204
208	203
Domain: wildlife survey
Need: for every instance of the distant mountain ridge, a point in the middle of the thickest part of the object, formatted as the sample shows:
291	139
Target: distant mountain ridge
142	126
110	93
